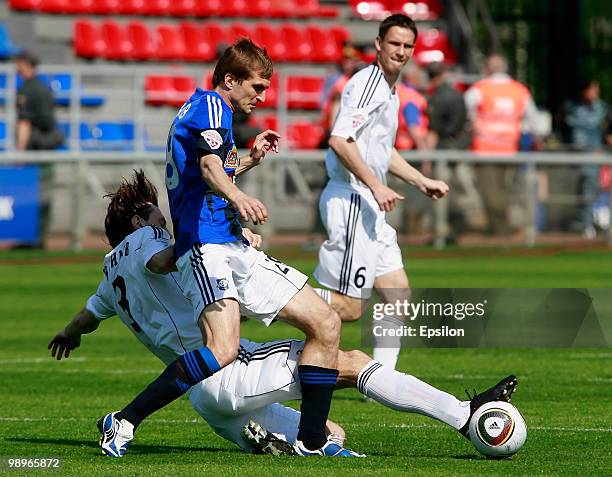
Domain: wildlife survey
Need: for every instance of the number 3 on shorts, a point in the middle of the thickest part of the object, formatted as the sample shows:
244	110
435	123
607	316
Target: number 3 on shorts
360	277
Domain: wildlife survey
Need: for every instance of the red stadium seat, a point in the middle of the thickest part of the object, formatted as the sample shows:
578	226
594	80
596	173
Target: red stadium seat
132	7
233	8
24	5
118	45
216	36
209	8
105	7
271	94
158	89
53	6
236	31
304	92
340	34
79	7
298	46
433	45
199	49
183	86
182	8
304	135
268	37
207	80
88	42
156	8
142	45
324	46
280	9
269	122
169	42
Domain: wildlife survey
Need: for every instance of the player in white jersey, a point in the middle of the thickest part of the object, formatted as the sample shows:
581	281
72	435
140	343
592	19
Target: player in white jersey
152	306
361	251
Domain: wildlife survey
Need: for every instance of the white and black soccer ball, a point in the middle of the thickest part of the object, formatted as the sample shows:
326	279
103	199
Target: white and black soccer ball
497	429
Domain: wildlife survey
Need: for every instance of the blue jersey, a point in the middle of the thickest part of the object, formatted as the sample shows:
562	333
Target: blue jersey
203	126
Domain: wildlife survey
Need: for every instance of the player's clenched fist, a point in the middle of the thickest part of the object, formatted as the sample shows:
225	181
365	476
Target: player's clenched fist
433	188
249	208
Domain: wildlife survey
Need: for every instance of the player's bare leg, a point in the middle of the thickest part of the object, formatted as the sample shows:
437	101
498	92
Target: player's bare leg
317	367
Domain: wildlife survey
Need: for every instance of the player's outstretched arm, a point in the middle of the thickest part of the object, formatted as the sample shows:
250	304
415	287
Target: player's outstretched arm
70	337
348	153
264	142
215	176
399	167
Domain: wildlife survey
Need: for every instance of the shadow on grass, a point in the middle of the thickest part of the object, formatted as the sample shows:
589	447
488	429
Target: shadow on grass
134	449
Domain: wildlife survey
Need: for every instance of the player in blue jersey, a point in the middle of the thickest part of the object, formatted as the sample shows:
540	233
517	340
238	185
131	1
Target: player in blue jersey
221	275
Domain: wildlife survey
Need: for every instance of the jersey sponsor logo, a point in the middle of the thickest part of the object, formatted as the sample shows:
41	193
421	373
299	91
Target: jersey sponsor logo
212	138
232	158
183	110
222	284
358	120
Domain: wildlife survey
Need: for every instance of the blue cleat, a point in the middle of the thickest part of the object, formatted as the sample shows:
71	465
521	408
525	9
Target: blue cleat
330	449
116	435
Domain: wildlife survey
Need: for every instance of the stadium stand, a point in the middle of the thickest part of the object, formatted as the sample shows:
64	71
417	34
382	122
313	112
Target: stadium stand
181	8
7	48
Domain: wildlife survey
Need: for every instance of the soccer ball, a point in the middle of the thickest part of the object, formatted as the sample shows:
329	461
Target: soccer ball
497	429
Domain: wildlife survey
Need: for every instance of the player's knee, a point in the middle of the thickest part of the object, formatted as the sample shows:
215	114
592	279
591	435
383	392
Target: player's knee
351	309
225	352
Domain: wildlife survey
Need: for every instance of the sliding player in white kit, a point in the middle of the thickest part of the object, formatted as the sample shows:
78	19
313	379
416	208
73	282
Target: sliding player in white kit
152	306
361	251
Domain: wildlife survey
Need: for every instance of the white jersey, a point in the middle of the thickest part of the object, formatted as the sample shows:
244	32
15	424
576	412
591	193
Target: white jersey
151	305
369	115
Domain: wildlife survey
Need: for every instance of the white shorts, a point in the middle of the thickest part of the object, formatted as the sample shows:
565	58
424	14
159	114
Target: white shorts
261	284
361	245
263	375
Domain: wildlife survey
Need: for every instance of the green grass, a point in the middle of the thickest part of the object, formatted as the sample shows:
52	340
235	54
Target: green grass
49	408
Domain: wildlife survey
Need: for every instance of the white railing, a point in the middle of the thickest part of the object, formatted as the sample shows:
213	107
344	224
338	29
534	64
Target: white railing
92	170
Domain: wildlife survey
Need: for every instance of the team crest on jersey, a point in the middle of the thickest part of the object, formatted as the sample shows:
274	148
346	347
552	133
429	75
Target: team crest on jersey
222	284
358	120
232	158
212	138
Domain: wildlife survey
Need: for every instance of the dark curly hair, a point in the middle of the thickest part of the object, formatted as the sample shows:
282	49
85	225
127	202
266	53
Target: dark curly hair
132	198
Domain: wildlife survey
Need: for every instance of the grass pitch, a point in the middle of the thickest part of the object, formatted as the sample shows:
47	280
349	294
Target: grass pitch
49	408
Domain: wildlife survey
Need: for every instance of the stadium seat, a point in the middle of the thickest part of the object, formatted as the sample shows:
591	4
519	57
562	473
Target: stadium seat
304	92
210	8
236	31
88	41
182	8
2	135
131	7
268	37
117	44
2	89
233	8
324	46
199	48
53	6
216	36
271	94
158	89
340	34
7	48
106	135
269	122
183	88
169	41
61	85
24	5
156	8
298	46
142	45
106	7
304	135
433	45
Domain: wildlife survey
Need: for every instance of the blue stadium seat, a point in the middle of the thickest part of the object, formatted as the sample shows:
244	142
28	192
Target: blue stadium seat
107	136
61	85
2	135
7	48
2	89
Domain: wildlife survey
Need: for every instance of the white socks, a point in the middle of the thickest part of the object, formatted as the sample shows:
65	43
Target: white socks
325	294
386	348
406	393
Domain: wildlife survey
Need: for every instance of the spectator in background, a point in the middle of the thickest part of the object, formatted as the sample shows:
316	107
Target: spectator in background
586	118
448	130
332	89
243	130
413	118
36	128
498	107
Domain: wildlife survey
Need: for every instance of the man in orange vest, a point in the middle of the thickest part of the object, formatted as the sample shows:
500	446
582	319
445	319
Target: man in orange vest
413	120
497	106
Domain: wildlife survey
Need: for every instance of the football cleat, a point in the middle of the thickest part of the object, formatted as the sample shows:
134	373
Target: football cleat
264	442
330	449
502	391
116	435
